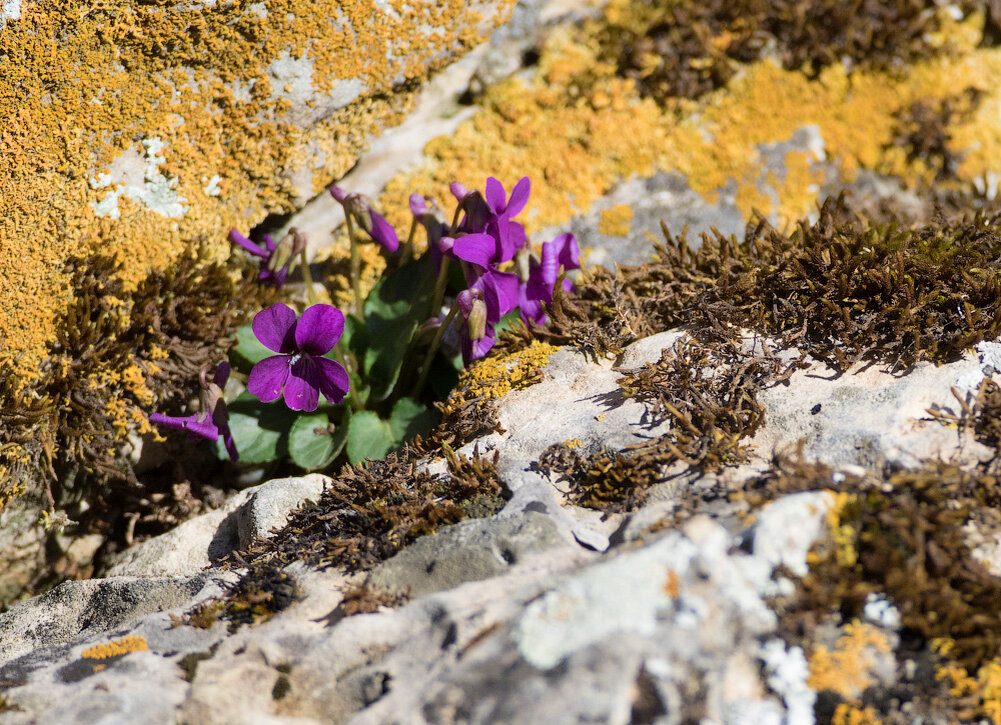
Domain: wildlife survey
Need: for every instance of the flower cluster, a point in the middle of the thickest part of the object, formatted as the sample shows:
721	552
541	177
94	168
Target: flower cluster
374	390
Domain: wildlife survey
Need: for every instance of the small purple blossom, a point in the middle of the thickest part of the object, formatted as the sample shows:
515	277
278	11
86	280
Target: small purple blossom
540	282
299	367
276	258
212	419
361	210
488	299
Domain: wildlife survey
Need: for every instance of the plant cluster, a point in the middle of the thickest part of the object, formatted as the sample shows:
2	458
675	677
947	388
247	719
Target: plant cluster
688	49
357	384
838	289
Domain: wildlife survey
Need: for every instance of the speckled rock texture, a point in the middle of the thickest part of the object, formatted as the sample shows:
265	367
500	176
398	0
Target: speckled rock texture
139	132
543	612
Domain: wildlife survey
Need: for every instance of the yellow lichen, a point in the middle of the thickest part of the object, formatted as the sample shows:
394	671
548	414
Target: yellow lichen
845	714
577	129
847	669
116	648
494	377
615	220
82	89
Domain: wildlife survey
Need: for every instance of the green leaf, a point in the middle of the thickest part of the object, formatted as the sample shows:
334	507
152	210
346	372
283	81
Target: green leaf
260	430
410	418
310	442
394	309
368	437
248	350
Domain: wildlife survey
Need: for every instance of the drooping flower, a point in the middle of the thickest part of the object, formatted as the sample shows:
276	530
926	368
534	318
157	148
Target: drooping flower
276	258
299	368
212	419
361	210
488	299
538	284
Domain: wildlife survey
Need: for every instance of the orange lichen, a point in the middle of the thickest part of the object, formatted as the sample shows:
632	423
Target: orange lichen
116	648
615	220
847	668
845	714
231	104
577	129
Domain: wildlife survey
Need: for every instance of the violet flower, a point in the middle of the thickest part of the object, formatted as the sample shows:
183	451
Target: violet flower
493	213
275	258
539	283
299	367
361	210
212	419
427	213
482	306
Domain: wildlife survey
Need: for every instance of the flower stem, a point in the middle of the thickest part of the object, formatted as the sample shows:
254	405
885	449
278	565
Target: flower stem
307	277
355	267
353	398
439	286
435	343
408	248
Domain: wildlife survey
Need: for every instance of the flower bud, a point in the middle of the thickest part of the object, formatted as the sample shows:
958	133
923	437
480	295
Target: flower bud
477	320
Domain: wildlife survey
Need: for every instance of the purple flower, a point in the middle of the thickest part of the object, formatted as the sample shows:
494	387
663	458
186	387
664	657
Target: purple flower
374	224
540	281
427	213
275	258
488	299
492	214
212	419
299	367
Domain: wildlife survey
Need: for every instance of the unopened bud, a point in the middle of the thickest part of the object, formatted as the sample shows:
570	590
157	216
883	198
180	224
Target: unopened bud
358	207
477	320
523	262
284	251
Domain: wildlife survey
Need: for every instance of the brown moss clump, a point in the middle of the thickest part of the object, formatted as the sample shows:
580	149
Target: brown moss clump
901	535
120	355
705	387
839	289
368	513
688	49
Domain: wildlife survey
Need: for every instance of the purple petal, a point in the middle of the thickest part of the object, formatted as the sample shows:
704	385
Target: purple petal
418	205
465	301
270	243
510	238
319	329
205	429
383	232
531	312
302	389
338	193
239	239
220	417
267	378
221	374
567	251
458	190
519	197
474	350
275	328
334	379
495	195
500	292
550	267
479	249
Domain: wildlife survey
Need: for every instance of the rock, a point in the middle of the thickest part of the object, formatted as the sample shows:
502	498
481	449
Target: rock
167	124
203	540
466	552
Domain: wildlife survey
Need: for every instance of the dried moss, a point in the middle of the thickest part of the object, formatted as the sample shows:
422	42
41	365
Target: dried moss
690	48
368	513
705	388
839	289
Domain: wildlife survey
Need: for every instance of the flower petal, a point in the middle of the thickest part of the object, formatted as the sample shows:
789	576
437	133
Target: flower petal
302	389
418	205
458	190
319	329
519	197
267	378
500	292
474	350
275	328
239	239
567	251
338	193
334	379
479	249
221	374
495	195
383	232
220	417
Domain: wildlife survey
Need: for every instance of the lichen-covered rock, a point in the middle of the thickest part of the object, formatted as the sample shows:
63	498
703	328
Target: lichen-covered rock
136	131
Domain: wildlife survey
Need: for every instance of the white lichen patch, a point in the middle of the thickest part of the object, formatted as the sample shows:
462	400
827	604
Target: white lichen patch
9	10
137	177
211	187
786	673
788	527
